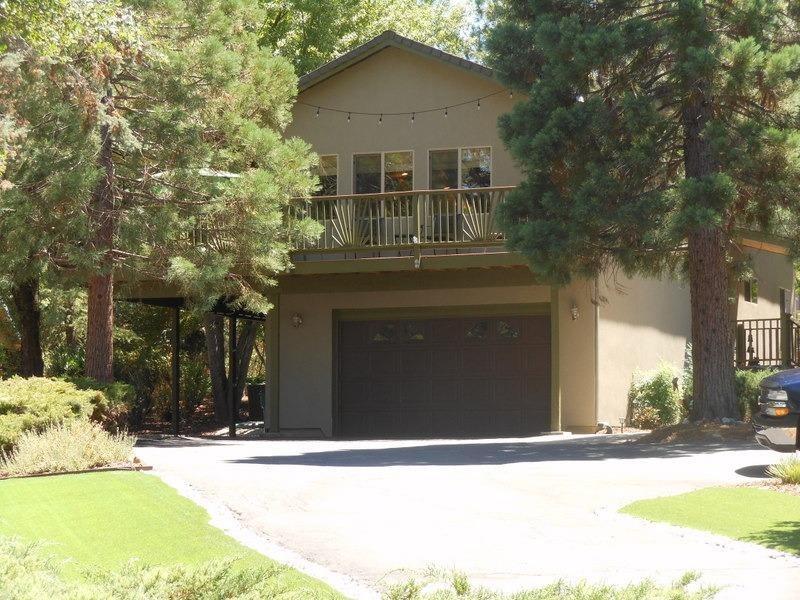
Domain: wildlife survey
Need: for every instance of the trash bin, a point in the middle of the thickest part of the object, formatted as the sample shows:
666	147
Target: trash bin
256	396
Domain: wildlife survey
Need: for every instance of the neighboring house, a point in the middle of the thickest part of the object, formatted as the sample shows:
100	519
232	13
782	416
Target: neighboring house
409	318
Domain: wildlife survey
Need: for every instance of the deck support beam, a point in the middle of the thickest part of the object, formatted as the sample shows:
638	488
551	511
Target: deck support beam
232	378
176	371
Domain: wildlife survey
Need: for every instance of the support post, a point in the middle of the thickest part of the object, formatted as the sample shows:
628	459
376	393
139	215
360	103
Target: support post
176	371
273	363
266	378
741	346
232	376
786	328
555	383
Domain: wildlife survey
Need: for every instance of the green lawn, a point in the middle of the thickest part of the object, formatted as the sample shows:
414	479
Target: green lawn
749	514
105	519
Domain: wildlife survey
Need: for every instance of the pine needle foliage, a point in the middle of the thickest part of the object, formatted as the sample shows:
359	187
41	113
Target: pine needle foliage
650	134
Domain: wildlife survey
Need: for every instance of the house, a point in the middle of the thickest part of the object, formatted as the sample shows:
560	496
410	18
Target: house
408	317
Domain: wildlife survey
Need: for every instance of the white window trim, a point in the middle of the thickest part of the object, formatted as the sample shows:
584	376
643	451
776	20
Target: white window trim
459	149
338	169
383	154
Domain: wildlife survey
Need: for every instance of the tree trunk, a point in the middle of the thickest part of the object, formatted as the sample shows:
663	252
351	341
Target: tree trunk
712	331
26	304
100	313
215	349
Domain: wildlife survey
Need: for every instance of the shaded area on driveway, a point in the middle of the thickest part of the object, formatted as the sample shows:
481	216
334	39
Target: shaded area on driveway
492	453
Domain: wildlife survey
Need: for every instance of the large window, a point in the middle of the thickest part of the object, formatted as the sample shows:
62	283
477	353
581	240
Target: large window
460	168
328	172
383	172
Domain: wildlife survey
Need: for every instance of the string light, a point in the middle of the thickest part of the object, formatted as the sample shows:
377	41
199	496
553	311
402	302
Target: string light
412	114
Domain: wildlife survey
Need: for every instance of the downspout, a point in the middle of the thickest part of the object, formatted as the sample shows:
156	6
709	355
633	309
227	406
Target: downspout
596	302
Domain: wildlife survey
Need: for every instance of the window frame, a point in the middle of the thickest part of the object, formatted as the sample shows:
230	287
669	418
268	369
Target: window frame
383	154
338	172
458	149
748	292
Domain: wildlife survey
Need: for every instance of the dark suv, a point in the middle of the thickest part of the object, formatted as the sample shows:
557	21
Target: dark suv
778	419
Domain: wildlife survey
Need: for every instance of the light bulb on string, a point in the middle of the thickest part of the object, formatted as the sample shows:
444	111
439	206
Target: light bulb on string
317	115
380	119
445	111
412	117
479	103
510	93
348	117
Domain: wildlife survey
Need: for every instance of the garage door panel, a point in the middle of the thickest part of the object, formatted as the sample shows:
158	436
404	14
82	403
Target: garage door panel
415	362
383	362
476	360
446	361
509	360
444	377
354	334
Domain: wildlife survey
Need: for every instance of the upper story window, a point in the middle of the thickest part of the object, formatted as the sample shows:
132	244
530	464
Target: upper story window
460	168
751	290
383	172
328	172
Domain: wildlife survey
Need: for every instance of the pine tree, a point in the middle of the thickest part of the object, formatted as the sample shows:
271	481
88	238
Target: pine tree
191	177
651	132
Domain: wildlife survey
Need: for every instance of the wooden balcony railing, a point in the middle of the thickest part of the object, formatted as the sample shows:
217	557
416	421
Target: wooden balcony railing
418	218
767	342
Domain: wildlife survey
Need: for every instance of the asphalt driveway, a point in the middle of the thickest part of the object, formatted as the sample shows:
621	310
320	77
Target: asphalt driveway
510	513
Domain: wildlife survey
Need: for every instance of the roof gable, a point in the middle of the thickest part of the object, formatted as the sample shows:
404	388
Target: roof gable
389	39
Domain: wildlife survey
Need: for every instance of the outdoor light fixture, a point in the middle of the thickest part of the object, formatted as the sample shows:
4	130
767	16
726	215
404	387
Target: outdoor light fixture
297	320
574	312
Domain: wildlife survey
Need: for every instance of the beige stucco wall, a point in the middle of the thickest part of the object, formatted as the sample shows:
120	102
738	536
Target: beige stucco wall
306	353
643	322
577	340
394	80
773	271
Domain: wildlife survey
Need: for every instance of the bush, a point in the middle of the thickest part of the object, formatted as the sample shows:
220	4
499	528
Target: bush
787	471
27	573
72	446
655	398
120	399
748	390
454	588
36	403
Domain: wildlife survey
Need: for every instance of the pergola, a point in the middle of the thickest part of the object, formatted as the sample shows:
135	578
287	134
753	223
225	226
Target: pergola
223	309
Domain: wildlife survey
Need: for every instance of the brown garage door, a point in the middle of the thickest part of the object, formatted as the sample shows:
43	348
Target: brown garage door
444	377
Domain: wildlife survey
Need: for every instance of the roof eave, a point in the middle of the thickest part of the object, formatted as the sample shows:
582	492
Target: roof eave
388	39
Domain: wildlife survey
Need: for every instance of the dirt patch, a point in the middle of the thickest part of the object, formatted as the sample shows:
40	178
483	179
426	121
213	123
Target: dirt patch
705	431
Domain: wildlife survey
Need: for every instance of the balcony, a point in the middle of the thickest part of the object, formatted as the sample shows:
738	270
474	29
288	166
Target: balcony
402	223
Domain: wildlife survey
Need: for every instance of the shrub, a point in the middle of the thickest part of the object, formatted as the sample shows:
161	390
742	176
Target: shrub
120	399
748	391
655	398
787	471
72	446
27	573
449	589
36	403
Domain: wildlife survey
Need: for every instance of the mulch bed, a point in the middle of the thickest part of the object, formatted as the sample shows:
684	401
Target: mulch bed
704	431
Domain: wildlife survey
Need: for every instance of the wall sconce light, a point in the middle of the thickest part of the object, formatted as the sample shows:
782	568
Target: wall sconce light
297	320
574	312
